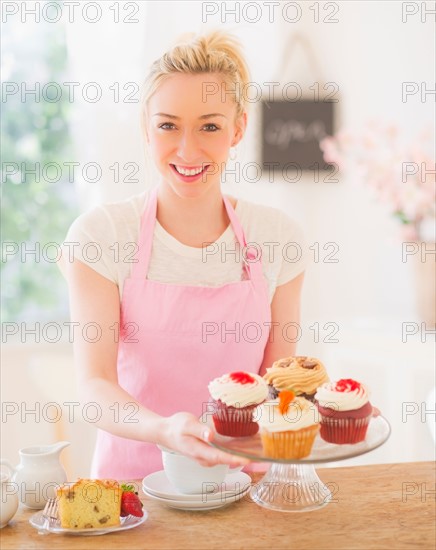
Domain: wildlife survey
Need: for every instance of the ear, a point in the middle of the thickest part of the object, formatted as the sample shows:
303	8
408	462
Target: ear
240	127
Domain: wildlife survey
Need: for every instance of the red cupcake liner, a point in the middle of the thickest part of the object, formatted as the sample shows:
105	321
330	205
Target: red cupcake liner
233	421
344	430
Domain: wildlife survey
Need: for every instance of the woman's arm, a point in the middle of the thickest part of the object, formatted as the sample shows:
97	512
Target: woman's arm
95	299
285	309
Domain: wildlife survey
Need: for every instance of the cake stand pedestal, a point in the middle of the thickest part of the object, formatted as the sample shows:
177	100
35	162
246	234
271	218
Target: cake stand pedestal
293	485
291	488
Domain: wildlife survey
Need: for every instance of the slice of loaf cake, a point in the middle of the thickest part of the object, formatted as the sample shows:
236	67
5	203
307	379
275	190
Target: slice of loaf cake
89	503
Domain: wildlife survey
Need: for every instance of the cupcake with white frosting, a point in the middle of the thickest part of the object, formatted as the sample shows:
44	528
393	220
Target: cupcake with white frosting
345	411
288	426
234	397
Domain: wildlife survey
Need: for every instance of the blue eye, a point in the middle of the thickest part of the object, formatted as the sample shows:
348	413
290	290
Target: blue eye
166	124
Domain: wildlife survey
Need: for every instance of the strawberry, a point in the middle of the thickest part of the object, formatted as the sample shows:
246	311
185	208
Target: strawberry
130	503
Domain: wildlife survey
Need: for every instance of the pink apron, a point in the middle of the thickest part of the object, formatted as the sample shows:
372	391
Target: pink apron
185	336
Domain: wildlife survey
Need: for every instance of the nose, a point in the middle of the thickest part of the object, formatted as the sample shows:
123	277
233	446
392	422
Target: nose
188	147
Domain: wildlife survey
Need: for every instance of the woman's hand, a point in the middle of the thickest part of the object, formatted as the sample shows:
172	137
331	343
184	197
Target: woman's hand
375	411
183	432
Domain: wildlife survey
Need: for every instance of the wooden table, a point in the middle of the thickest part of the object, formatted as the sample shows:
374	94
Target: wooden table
381	506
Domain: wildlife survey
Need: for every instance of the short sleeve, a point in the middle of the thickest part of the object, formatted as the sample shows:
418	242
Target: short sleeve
294	250
91	239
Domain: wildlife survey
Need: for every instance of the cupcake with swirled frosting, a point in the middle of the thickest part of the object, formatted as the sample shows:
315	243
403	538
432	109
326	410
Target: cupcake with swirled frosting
301	374
345	411
288	426
234	397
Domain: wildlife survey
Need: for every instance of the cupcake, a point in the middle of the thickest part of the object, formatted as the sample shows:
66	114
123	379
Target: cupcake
301	374
345	411
288	426
234	398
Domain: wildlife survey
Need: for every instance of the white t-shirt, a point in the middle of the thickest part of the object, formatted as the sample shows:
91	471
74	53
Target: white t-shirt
106	237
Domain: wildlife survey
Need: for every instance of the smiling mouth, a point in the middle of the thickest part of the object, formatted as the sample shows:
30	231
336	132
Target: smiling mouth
189	172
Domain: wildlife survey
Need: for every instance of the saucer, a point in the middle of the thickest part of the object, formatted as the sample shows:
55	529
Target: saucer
158	485
198	505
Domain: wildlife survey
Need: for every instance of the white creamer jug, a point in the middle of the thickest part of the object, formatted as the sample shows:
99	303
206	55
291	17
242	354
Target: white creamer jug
38	473
8	496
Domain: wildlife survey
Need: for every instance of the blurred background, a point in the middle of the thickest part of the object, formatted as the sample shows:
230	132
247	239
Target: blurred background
71	139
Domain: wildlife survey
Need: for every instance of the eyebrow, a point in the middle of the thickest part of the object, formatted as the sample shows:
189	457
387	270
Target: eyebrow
202	117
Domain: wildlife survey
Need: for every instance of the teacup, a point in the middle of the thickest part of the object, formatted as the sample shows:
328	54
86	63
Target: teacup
189	477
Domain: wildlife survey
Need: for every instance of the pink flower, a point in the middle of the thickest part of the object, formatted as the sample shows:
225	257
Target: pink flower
376	158
330	149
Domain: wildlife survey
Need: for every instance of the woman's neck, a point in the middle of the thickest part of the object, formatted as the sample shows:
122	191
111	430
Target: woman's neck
193	221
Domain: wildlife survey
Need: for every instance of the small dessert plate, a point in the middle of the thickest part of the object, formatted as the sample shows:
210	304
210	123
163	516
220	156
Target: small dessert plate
40	522
157	484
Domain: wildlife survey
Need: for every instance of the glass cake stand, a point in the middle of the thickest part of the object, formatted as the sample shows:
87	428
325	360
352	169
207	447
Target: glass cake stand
293	485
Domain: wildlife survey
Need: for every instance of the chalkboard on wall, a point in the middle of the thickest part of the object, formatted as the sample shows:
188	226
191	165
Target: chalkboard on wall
291	132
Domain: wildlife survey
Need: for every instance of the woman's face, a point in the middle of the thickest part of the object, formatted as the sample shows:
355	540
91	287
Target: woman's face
190	127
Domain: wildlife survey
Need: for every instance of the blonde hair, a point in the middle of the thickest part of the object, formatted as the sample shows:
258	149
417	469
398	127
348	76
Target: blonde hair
216	52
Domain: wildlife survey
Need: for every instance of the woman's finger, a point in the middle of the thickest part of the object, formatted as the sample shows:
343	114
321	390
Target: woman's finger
222	458
207	455
194	427
193	439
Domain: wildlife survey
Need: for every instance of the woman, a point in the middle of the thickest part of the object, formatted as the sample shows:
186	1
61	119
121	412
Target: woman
193	302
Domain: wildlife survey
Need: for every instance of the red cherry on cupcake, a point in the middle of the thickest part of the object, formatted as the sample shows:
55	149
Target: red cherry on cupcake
347	384
241	378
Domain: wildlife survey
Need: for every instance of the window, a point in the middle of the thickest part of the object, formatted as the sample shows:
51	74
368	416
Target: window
39	199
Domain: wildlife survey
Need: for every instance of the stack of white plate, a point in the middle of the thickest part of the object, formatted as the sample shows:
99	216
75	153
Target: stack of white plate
235	486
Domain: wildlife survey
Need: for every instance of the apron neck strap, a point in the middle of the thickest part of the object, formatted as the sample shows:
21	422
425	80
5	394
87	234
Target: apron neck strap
148	220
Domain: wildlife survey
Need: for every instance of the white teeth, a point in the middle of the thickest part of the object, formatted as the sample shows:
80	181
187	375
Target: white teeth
192	172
